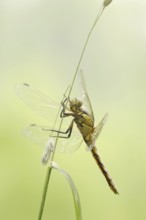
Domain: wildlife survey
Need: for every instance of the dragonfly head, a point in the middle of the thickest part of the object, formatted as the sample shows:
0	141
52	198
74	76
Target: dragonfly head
75	104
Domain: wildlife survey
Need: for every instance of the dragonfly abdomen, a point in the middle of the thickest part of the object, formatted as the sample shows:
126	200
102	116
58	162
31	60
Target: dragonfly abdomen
103	170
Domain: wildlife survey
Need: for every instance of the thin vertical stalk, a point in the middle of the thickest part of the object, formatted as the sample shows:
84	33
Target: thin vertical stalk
85	45
48	174
61	121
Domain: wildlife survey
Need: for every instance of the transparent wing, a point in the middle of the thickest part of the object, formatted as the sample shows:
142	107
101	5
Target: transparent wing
37	134
41	134
85	97
71	144
97	131
99	127
36	100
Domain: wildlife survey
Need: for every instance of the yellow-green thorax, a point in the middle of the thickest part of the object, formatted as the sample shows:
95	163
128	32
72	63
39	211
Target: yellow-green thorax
83	121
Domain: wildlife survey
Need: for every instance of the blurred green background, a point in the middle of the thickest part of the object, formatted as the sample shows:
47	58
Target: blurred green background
40	43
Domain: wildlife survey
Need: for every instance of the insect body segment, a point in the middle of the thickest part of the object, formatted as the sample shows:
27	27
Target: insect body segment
85	125
83	121
103	170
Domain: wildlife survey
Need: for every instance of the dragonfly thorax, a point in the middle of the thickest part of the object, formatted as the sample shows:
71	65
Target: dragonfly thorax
75	105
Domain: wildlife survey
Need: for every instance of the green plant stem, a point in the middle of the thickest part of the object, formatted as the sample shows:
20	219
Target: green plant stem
84	48
70	90
48	174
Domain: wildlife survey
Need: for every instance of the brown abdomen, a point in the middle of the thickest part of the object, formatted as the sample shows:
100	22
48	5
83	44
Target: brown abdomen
103	170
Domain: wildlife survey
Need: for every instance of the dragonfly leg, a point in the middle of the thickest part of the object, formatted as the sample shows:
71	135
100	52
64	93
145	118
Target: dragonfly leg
63	113
63	102
68	131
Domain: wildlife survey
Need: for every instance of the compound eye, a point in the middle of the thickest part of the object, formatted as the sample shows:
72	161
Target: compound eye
79	103
72	102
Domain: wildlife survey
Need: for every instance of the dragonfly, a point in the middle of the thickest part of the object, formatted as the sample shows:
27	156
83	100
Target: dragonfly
69	140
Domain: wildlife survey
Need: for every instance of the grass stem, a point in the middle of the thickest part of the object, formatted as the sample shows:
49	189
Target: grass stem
48	175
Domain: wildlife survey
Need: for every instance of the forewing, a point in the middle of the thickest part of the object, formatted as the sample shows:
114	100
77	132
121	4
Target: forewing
85	97
36	100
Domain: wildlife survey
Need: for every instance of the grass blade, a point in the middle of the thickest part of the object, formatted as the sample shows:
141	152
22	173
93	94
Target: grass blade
75	194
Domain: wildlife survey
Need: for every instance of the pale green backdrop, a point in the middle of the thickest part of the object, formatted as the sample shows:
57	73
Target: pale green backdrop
40	43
